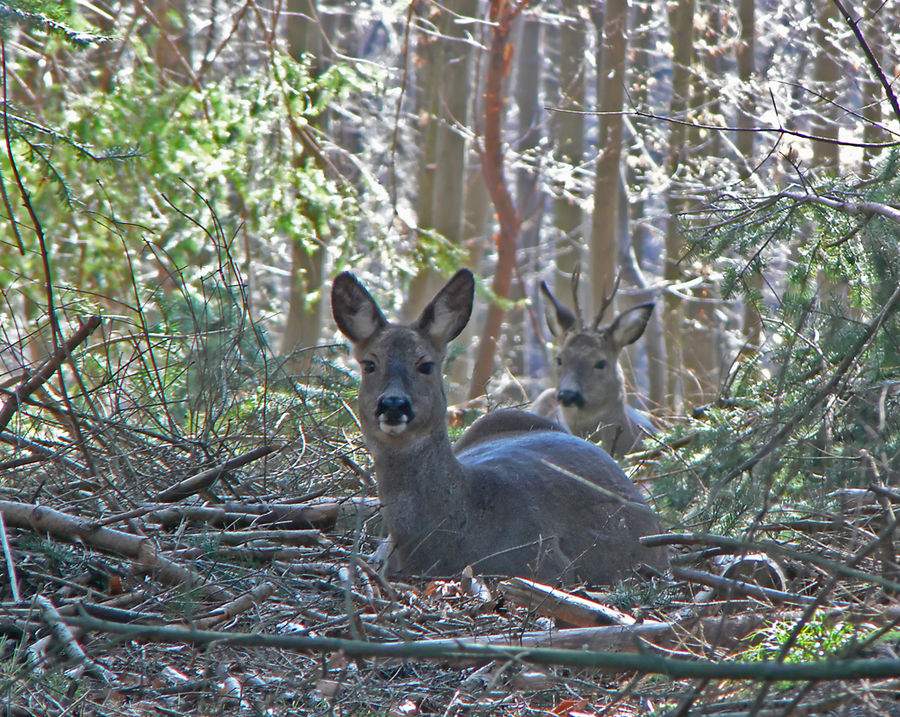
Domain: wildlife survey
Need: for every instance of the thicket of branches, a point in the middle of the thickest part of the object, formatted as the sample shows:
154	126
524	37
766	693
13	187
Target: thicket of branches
180	181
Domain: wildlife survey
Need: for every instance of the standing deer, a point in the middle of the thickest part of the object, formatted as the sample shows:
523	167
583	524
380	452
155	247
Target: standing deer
589	398
518	496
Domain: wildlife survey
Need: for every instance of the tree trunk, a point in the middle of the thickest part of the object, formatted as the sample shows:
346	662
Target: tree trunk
826	155
607	180
681	29
475	220
304	319
448	62
872	91
492	167
529	196
570	145
428	61
642	49
746	143
701	336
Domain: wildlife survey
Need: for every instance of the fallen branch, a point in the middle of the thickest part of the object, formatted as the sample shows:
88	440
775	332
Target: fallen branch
561	605
322	515
644	662
201	481
72	528
43	374
240	604
767	546
10	562
730	587
68	643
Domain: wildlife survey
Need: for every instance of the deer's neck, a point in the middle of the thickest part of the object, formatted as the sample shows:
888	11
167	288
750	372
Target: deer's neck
424	471
581	422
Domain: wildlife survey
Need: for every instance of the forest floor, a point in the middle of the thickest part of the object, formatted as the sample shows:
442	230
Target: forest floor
151	577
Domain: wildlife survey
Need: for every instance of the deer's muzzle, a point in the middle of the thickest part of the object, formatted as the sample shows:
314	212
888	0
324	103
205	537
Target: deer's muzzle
394	413
571	398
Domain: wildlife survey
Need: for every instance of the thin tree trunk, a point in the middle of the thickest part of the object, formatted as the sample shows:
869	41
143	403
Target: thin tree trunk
607	180
443	189
304	319
492	168
570	144
640	69
827	74
746	141
475	221
529	195
681	29
872	91
429	49
700	334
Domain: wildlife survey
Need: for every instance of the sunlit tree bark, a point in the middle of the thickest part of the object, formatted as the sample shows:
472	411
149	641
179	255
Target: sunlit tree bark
872	91
827	73
570	143
745	141
304	35
681	28
500	54
604	251
448	83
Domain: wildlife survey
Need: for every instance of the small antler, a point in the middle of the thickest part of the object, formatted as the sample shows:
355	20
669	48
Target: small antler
576	277
607	301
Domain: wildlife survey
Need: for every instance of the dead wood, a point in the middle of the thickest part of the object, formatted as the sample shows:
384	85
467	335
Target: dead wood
322	515
240	604
201	481
562	605
68	643
43	374
729	587
142	550
10	561
620	638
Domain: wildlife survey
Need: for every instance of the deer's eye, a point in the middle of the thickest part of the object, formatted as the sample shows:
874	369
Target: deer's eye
601	364
559	360
426	367
368	366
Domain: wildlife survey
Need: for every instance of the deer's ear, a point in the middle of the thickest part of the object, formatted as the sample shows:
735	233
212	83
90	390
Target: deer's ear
355	311
560	319
630	324
448	313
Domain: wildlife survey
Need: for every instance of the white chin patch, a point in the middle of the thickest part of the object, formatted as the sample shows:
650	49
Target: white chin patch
392	429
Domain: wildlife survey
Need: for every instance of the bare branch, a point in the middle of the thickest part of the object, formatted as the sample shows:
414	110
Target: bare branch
870	56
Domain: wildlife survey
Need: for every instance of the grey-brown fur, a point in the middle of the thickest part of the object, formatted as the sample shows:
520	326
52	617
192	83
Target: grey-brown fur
520	497
589	397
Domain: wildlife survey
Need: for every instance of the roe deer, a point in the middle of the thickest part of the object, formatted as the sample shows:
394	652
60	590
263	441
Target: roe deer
589	398
519	496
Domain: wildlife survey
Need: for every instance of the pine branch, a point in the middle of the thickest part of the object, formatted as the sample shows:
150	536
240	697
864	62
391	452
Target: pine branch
854	208
30	20
824	391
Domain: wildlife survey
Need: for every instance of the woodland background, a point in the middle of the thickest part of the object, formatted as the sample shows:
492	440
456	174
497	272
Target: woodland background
193	173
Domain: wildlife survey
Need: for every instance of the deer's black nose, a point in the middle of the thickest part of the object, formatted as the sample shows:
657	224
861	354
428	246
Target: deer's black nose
394	410
570	398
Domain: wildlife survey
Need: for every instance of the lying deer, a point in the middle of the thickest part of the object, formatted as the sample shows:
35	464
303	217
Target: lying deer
589	398
518	496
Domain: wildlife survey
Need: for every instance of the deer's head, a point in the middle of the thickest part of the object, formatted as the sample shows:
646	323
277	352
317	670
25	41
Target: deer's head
401	393
590	381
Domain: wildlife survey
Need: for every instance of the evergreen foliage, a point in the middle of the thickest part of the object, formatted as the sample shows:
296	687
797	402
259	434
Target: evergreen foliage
841	267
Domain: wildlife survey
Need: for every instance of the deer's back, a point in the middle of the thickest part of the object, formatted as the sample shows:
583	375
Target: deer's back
546	504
